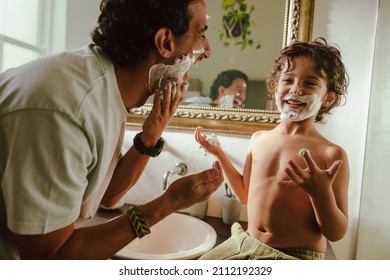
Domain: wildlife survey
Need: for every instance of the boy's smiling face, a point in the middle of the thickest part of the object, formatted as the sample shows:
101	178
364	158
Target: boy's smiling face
300	90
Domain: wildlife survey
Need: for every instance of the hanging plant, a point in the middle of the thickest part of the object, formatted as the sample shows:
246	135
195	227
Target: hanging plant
236	24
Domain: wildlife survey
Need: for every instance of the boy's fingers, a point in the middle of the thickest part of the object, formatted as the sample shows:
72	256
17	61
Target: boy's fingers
308	159
334	169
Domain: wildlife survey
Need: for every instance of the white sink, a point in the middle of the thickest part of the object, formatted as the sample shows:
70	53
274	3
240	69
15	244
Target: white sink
178	236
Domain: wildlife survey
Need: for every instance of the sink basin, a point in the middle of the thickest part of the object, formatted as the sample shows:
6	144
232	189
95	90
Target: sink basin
178	236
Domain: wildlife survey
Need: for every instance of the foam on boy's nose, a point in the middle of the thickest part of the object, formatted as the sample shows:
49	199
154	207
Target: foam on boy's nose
294	88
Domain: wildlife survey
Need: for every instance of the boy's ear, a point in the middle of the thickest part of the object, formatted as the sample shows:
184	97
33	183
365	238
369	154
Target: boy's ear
164	42
274	87
330	98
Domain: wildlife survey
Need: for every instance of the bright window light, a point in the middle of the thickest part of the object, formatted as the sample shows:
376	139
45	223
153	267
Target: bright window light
22	36
19	20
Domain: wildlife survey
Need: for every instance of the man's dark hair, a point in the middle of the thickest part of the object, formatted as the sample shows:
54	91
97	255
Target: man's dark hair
126	28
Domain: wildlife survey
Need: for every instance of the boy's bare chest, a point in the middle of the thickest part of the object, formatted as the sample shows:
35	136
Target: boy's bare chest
271	159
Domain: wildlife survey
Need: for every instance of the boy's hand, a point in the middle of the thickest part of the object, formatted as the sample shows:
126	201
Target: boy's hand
202	140
313	180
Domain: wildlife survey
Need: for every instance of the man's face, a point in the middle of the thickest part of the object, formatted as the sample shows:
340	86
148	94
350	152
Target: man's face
192	47
238	90
195	41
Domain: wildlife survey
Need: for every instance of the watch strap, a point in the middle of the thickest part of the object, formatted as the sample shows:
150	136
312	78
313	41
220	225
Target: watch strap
143	150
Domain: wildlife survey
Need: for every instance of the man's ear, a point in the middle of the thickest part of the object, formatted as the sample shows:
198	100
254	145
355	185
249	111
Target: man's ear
221	90
164	42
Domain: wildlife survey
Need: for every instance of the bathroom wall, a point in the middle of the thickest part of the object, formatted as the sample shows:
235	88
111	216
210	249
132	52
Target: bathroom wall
374	219
352	25
81	17
182	147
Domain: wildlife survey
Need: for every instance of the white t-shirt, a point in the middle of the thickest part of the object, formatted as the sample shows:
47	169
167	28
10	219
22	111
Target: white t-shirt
62	123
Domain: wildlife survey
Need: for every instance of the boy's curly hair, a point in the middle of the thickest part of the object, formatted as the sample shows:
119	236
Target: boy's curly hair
126	28
326	58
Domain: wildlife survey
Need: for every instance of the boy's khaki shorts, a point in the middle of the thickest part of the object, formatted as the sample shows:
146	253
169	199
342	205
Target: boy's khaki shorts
241	246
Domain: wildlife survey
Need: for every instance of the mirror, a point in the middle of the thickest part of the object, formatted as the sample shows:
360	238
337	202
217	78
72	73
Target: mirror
284	21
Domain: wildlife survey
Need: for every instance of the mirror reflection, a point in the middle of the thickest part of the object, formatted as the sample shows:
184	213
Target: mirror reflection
266	29
229	90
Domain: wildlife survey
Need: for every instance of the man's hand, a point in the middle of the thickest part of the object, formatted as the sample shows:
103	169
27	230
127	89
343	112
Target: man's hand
165	103
195	188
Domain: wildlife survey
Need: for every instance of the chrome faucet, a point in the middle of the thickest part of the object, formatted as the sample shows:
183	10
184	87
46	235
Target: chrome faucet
180	169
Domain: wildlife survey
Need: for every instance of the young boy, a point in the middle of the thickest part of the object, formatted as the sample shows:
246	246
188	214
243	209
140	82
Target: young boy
295	181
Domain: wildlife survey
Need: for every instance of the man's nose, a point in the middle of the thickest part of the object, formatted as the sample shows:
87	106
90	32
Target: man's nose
207	49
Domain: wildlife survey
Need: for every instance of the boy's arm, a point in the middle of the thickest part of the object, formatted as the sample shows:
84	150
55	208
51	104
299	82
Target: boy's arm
332	210
233	177
328	192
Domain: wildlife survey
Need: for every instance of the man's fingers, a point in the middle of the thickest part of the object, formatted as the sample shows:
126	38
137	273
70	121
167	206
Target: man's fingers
166	100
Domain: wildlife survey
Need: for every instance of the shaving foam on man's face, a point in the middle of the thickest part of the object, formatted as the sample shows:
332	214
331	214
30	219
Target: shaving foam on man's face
297	108
159	73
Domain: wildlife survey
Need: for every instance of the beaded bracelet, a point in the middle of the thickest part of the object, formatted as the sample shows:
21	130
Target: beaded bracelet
138	221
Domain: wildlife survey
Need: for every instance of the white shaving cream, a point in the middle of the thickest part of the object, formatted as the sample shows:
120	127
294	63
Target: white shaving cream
312	104
226	101
159	73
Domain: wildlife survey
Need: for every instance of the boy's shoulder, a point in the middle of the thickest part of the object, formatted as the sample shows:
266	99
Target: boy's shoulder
335	151
261	135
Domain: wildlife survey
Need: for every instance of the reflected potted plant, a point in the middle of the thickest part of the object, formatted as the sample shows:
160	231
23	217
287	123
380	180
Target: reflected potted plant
237	23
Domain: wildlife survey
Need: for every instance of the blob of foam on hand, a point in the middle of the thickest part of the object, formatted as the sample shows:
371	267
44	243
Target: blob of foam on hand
213	140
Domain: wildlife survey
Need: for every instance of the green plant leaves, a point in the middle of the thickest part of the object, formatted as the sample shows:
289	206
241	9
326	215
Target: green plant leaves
236	23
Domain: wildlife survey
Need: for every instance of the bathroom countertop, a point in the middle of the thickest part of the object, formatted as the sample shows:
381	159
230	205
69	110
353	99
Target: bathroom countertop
222	230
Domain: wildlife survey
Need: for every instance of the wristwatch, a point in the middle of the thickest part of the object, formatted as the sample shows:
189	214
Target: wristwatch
140	147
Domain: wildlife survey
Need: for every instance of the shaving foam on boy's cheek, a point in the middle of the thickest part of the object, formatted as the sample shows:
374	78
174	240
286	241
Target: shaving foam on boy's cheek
313	105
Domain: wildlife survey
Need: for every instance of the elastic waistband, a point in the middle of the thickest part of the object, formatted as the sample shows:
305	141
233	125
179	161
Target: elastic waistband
302	254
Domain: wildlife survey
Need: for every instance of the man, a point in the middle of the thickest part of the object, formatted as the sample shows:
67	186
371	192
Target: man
227	91
62	123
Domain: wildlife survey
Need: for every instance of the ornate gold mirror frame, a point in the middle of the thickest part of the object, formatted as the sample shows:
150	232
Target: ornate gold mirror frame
297	26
